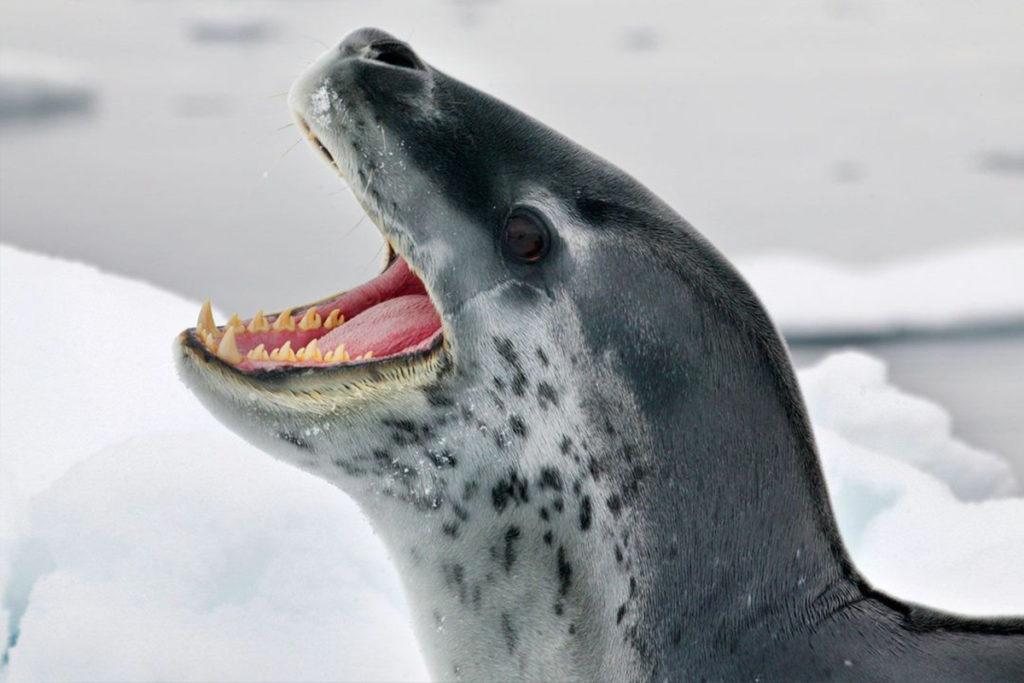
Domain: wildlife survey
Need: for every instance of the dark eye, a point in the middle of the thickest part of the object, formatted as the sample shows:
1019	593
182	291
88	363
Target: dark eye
525	238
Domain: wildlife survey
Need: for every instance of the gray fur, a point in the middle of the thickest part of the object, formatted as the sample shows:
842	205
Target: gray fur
607	472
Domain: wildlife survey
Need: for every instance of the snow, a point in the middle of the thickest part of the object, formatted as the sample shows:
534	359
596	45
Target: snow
33	87
969	288
132	517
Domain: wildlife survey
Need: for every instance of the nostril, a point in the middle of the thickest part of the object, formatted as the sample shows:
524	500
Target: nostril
394	54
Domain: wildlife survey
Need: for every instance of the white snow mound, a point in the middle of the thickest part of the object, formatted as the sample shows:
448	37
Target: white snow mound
810	297
132	520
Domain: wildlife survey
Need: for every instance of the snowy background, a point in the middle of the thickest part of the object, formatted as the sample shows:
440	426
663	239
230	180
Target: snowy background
861	160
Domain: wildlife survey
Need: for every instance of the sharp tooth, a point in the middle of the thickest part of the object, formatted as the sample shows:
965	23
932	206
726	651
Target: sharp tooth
227	349
313	351
259	323
338	355
275	354
259	353
208	339
286	352
334	319
205	322
285	322
236	324
368	355
310	321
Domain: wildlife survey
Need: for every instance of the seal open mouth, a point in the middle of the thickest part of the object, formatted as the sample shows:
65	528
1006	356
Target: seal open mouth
389	317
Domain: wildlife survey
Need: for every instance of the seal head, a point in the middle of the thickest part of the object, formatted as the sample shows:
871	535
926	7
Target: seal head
569	418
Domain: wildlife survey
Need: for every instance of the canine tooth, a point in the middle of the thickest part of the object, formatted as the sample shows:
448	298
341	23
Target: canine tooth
236	324
259	323
205	322
285	322
227	349
310	321
334	319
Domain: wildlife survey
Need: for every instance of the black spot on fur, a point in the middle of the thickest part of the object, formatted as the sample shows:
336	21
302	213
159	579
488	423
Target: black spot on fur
618	553
499	384
295	440
450	529
511	536
572	629
544	513
455	579
510	489
620	613
585	513
559	609
565	446
460	512
564	572
519	383
546	395
507	350
550	479
543	357
507	630
558	505
615	504
469	490
437	398
548	537
632	587
518	426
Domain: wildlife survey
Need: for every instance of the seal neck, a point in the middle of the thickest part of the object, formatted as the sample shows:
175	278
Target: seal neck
750	546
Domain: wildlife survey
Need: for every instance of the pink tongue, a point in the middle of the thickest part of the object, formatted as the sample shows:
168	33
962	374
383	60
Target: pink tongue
386	328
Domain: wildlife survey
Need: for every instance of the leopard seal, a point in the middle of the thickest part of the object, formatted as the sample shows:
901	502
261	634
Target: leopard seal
566	414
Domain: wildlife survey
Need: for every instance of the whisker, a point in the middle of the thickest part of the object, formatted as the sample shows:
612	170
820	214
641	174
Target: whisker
266	174
315	40
353	228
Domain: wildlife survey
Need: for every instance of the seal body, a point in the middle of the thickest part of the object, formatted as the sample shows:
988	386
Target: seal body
602	468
